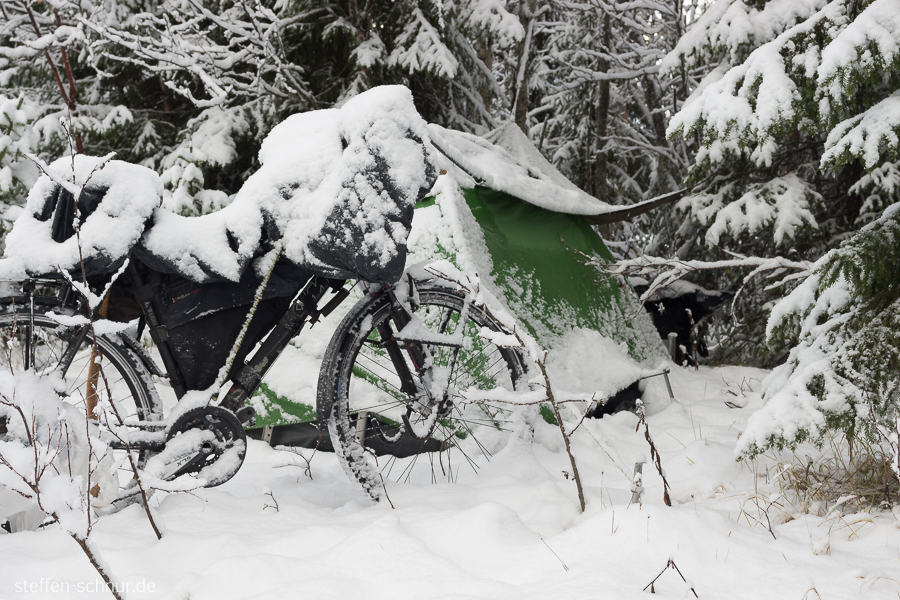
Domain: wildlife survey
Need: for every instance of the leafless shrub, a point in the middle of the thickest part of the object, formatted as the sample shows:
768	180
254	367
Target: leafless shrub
307	461
654	453
52	459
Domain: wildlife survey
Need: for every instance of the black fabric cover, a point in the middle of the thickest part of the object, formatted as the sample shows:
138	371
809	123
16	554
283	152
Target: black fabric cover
204	320
337	248
60	205
337	245
182	301
202	346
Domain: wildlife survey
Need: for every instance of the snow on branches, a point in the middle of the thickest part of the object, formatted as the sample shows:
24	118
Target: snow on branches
823	70
733	28
419	47
843	371
234	51
50	455
797	129
663	272
782	203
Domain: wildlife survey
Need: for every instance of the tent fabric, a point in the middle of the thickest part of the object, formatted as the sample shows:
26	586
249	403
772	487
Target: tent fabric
531	258
504	212
506	160
544	254
512	165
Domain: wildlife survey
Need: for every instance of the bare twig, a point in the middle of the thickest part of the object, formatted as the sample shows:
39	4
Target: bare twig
274	501
654	453
585	414
669	565
380	476
85	547
134	468
68	99
307	470
562	430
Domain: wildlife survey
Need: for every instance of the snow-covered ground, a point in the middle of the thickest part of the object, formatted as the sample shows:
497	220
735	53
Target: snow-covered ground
512	530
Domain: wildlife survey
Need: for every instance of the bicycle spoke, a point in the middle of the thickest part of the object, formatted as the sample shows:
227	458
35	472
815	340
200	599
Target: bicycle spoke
112	384
468	431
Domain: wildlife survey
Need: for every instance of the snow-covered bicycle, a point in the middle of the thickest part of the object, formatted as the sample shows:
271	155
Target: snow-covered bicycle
94	262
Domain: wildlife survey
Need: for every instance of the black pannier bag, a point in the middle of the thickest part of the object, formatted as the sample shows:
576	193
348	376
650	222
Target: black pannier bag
204	320
60	204
111	212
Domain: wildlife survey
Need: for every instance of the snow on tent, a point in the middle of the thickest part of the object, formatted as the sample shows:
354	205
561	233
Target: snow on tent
502	211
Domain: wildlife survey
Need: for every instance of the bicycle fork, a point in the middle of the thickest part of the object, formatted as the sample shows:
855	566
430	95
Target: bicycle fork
424	398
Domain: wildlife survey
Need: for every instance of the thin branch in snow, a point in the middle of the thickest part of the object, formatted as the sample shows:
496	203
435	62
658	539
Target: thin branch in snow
564	565
670	565
654	453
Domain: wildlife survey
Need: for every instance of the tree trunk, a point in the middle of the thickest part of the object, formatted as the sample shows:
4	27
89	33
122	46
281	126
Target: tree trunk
653	94
526	15
522	105
602	121
168	104
485	55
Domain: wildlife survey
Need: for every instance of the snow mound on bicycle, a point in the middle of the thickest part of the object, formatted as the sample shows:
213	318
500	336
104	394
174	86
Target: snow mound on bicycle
337	187
112	212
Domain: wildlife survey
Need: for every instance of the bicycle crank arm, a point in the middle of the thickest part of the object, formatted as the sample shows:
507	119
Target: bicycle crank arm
207	442
191	464
153	441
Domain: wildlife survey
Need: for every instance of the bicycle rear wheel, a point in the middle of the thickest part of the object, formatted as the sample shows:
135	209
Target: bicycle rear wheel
119	378
362	397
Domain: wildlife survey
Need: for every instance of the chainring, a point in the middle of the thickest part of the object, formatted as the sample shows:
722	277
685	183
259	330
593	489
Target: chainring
216	458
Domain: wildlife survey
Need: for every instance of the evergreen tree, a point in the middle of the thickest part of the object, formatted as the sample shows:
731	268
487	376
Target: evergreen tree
245	66
798	126
52	67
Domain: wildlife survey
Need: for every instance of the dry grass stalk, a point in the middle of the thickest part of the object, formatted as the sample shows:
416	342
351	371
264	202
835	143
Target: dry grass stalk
851	476
670	565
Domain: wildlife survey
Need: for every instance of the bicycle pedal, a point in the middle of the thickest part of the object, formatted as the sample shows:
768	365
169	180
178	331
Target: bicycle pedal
246	415
381	345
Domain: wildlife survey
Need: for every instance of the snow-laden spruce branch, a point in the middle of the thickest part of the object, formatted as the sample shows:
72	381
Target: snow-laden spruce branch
665	271
799	80
481	68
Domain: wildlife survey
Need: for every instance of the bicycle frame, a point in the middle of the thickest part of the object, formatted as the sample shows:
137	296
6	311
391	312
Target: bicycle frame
304	309
247	377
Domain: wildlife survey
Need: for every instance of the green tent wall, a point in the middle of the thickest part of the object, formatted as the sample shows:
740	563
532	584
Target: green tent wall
549	251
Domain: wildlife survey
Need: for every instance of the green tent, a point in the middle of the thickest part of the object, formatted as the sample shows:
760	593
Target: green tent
502	211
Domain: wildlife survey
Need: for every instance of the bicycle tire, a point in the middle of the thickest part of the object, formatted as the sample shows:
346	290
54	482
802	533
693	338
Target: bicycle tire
353	369
137	399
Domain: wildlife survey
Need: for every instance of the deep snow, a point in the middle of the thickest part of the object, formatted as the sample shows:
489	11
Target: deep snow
513	530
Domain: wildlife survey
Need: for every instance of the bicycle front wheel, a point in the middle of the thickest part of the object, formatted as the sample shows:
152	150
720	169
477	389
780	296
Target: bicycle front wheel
362	395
